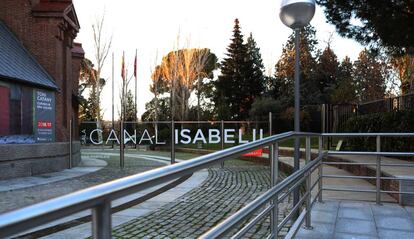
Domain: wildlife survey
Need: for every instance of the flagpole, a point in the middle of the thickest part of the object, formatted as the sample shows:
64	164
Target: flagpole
136	87
113	96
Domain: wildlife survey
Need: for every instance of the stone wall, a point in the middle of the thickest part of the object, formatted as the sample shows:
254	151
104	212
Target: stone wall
22	160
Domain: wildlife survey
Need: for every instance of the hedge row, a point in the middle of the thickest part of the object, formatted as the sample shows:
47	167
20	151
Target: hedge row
391	122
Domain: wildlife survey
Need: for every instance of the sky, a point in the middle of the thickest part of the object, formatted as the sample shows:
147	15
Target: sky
151	28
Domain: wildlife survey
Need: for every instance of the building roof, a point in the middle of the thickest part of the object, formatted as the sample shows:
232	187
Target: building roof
16	62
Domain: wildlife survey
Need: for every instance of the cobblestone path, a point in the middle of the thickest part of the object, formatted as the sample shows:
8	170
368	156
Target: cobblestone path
223	193
15	199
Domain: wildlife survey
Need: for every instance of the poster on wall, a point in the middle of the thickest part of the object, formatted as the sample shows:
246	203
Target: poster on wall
44	116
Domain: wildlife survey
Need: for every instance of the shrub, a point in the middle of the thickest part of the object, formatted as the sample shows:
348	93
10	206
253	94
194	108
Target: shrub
390	122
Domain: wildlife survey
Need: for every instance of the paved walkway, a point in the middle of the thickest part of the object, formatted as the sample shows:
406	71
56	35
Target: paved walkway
223	193
342	183
359	220
88	165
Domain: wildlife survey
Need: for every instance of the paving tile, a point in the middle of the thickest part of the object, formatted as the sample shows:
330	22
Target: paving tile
395	234
395	223
356	226
388	210
354	205
323	216
327	206
356	213
319	231
352	236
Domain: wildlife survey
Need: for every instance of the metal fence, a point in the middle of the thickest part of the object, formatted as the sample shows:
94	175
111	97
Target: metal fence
99	198
334	117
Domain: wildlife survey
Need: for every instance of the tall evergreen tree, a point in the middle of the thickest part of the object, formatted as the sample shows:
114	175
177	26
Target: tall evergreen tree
236	86
345	92
257	82
327	73
283	84
370	82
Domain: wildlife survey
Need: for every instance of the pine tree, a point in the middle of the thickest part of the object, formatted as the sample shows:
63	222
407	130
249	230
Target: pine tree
327	74
369	79
345	92
236	87
257	82
283	84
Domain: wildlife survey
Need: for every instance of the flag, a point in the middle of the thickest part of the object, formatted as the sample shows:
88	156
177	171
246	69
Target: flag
135	65
123	66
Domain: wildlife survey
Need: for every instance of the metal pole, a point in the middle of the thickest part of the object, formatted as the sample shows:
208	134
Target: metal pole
270	124
274	167
296	160
222	139
308	185
113	96
101	221
378	184
121	150
172	142
70	143
320	168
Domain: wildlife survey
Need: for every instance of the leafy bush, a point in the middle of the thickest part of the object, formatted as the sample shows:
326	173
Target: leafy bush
390	122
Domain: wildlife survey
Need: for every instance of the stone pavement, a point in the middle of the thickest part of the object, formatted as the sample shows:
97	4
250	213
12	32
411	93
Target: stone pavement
223	193
27	194
88	165
359	220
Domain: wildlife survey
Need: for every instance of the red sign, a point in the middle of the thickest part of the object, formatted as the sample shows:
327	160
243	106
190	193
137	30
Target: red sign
256	153
44	125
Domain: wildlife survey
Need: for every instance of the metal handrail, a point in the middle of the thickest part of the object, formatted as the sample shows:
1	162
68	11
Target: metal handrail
368	134
99	197
224	227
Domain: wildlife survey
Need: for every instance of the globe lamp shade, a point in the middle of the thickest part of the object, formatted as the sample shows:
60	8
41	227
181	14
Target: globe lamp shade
297	13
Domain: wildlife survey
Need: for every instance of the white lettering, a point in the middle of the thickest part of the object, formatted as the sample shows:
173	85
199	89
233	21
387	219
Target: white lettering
156	137
241	141
214	136
148	138
99	131
112	139
199	137
185	133
133	139
227	135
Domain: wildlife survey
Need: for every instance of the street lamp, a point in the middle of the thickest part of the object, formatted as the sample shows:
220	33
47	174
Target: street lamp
296	14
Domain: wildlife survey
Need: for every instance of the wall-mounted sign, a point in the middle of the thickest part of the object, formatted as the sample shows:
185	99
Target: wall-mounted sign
44	116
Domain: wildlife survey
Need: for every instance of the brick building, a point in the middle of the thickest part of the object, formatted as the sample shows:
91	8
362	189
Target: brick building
39	72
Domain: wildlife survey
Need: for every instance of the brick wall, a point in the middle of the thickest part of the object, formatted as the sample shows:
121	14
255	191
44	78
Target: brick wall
50	40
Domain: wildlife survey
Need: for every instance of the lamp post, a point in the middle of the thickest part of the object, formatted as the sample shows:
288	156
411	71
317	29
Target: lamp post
296	14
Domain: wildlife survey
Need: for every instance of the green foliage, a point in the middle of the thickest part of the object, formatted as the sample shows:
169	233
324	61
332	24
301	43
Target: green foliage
241	79
369	77
327	74
283	83
390	122
345	92
129	107
161	107
262	106
376	22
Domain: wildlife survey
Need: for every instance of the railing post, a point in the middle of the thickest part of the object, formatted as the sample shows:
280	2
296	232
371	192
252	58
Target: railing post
101	221
320	168
70	143
222	138
270	124
122	146
274	171
308	185
378	176
172	142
